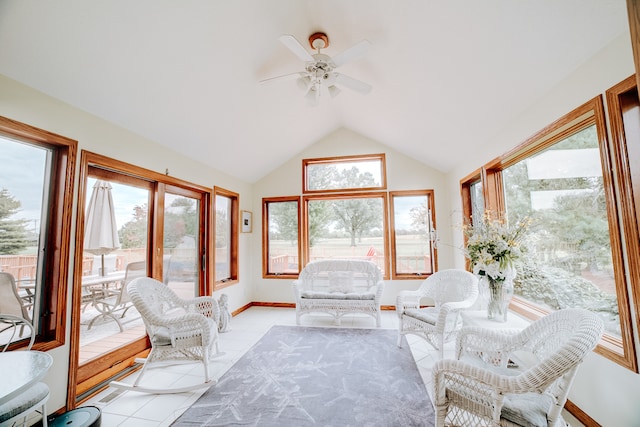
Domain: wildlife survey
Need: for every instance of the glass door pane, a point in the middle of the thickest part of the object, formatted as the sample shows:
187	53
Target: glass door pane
115	252
181	259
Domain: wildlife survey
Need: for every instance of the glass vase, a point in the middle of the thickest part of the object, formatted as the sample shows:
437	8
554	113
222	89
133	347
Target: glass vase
498	296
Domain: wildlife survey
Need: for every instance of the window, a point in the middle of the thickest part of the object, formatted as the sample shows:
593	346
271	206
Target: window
281	236
226	237
344	214
344	173
413	233
346	226
562	179
624	112
36	191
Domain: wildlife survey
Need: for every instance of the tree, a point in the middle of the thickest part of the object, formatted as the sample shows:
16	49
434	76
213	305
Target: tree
320	217
13	232
420	219
133	234
180	221
283	221
358	215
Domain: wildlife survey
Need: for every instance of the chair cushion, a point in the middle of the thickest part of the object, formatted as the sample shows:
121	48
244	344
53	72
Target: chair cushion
341	281
527	409
338	295
23	402
162	336
428	315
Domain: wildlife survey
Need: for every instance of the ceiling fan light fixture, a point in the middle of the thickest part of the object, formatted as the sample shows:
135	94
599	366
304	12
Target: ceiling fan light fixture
334	90
313	95
304	83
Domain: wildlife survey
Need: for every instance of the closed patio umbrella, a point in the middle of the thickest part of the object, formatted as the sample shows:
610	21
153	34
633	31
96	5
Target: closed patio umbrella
100	229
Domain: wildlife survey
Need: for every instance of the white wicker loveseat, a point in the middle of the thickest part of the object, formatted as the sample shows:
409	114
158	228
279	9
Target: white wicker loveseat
339	287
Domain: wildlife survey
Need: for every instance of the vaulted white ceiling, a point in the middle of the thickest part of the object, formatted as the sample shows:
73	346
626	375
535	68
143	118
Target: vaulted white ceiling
446	74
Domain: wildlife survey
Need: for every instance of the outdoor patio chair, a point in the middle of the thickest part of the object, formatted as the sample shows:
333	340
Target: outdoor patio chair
113	301
450	291
507	378
15	411
179	330
10	300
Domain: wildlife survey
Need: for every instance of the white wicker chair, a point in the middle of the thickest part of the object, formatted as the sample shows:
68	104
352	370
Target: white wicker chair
179	330
451	291
507	378
338	287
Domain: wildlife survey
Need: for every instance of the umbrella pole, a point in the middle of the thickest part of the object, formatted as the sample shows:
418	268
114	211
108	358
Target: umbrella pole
102	271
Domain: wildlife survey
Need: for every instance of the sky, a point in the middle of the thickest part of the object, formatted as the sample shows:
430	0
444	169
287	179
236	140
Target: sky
22	174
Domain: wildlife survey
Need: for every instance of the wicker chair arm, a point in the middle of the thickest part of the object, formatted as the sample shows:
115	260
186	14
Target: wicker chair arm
188	325
408	299
472	380
206	305
379	287
297	286
495	345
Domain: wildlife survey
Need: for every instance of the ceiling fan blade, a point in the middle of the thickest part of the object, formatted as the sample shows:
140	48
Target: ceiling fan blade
291	76
352	53
294	46
353	84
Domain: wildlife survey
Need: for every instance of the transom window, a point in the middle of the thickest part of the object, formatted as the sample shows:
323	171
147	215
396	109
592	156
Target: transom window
344	173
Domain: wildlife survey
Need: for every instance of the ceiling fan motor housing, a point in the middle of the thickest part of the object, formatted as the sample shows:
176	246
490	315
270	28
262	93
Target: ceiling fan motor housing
318	40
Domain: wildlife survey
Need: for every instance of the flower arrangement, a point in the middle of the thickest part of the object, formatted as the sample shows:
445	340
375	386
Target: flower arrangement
493	245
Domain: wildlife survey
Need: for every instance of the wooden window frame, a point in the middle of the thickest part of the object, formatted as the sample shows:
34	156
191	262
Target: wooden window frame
588	114
55	273
626	158
234	223
434	260
345	159
347	195
266	274
104	166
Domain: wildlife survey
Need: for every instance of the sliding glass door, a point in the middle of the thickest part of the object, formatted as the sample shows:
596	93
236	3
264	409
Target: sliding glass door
134	223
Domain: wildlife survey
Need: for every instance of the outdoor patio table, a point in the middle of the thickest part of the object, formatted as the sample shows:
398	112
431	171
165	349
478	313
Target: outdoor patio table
93	286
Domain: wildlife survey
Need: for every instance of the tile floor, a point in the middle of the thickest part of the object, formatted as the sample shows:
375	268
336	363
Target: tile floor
135	409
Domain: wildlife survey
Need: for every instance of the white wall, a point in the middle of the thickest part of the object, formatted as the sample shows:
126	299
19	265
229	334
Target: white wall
403	173
605	391
28	106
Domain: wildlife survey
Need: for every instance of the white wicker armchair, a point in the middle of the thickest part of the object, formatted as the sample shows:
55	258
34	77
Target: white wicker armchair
179	330
451	291
511	378
338	287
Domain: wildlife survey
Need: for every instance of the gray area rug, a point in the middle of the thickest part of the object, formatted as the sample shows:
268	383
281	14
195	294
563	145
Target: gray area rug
301	376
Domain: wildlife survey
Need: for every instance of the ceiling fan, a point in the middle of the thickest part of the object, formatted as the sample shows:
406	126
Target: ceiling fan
319	71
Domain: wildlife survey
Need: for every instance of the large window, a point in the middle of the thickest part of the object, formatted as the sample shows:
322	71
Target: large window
343	213
36	190
562	179
346	226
